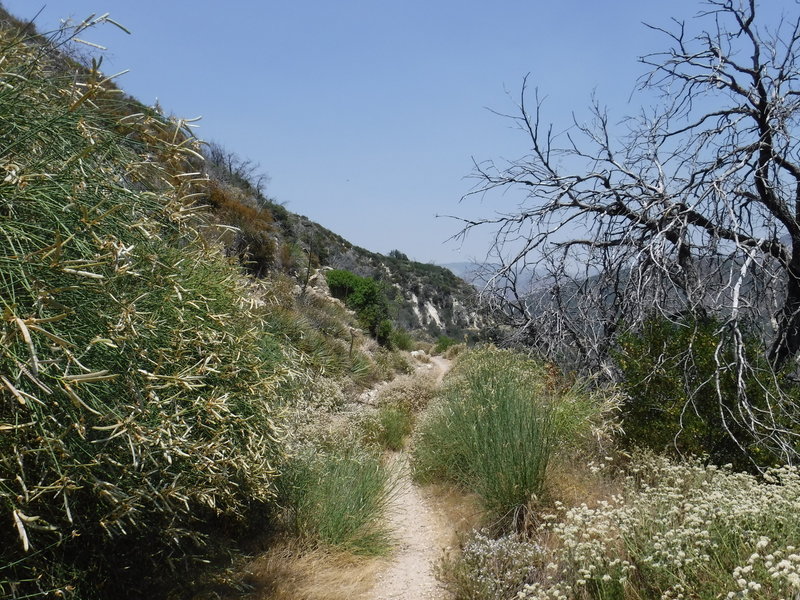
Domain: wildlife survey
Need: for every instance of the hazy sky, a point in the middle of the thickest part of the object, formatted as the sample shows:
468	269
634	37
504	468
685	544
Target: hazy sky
366	114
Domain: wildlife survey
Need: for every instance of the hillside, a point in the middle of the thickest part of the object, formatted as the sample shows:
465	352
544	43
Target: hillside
423	297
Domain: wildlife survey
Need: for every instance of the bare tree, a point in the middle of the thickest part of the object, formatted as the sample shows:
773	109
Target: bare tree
693	209
229	167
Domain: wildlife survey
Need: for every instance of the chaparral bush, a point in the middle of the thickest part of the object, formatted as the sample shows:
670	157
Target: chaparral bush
684	391
366	297
135	385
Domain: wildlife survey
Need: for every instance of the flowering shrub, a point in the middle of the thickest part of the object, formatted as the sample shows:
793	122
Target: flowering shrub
676	531
413	391
491	567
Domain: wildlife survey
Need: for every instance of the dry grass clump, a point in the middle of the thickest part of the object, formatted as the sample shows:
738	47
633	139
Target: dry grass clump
307	410
426	347
289	571
253	241
134	391
328	316
421	356
413	391
390	363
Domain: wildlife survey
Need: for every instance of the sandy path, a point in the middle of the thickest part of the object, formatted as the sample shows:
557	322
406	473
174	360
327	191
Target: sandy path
419	537
442	366
420	533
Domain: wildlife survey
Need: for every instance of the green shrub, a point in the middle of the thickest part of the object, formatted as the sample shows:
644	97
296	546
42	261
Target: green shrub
338	497
384	333
365	296
389	427
443	343
680	400
401	340
454	350
135	400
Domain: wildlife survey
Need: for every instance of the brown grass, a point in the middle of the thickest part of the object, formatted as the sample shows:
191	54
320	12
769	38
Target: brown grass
572	483
232	207
291	572
461	510
413	391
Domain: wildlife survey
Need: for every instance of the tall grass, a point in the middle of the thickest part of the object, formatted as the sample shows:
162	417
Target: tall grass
500	419
389	426
338	498
492	431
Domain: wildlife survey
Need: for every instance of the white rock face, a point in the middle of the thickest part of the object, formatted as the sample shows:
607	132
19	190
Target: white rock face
415	308
433	314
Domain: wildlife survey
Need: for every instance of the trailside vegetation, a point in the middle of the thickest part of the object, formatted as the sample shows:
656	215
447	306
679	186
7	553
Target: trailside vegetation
690	209
499	421
137	380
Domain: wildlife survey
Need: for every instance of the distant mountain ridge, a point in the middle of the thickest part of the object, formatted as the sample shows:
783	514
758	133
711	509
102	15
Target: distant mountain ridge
423	296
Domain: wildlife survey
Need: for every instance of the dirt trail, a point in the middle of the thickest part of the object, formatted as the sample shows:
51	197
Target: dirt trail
442	366
420	533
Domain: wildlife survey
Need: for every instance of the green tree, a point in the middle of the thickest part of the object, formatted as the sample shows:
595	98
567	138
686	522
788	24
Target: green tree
364	295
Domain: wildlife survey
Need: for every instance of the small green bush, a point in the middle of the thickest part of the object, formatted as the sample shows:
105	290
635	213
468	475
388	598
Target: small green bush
443	343
365	296
389	427
680	399
384	333
338	497
401	340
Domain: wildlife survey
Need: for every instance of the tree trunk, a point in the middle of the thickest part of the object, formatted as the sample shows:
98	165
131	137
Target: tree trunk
787	343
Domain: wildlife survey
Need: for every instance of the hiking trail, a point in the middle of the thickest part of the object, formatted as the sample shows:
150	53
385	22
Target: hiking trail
420	533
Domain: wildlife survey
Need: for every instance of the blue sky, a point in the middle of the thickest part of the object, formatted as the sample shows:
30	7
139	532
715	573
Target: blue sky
366	114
